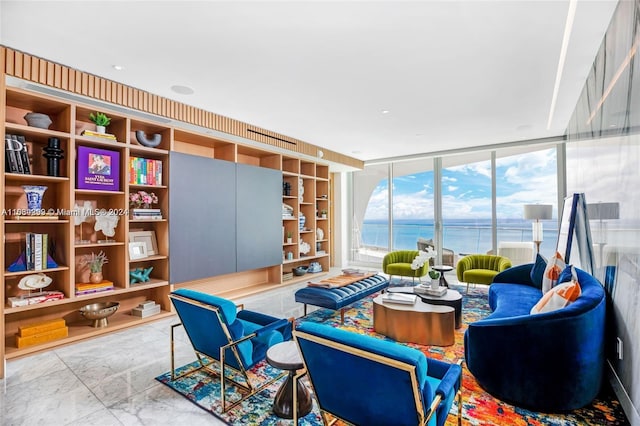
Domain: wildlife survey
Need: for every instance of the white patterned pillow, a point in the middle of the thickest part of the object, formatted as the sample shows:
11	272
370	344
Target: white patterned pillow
552	272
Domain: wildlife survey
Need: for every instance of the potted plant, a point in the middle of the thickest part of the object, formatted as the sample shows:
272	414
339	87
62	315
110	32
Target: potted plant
101	121
95	263
323	213
435	278
289	237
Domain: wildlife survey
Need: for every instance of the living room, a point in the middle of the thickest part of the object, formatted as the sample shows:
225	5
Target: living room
594	154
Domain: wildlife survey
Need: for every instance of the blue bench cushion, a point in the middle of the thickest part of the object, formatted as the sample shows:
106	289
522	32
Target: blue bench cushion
336	298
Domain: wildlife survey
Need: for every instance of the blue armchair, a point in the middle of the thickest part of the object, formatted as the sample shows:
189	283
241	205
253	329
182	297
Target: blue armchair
233	339
367	381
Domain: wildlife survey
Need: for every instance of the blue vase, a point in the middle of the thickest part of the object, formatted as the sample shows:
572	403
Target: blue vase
302	220
34	196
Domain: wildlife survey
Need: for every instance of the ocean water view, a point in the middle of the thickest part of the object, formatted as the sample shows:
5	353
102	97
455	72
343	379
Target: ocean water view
459	235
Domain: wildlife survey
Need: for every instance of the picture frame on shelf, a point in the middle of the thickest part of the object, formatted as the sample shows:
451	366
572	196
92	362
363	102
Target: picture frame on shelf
146	237
98	169
138	250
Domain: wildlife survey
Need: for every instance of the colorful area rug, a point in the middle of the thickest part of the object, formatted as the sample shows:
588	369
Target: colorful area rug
478	408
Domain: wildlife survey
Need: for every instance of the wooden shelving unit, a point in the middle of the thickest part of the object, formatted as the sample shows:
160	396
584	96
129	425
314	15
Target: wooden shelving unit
72	241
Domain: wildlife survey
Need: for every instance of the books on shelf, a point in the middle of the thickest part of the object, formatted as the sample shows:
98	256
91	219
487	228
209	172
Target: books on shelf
427	290
145	171
35	298
36	250
91	133
400	298
16	154
146	214
98	169
89	288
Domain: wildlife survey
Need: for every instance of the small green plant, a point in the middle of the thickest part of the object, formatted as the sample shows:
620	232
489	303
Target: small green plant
323	212
434	275
289	234
95	262
99	118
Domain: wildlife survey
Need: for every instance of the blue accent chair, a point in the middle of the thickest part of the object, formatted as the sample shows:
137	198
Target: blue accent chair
368	381
221	334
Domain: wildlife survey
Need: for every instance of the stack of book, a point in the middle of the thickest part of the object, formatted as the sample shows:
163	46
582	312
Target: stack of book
146	309
400	298
286	276
423	289
36	250
89	288
16	155
146	214
145	171
41	332
35	298
93	134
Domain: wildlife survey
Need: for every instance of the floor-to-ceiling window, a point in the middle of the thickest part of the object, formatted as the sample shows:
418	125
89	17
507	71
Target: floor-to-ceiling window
466	203
412	204
526	176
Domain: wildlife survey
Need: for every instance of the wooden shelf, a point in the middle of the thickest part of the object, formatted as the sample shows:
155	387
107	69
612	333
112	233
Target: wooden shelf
79	331
20	273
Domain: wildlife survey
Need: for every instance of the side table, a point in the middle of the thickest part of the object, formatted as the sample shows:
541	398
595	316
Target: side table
442	269
286	356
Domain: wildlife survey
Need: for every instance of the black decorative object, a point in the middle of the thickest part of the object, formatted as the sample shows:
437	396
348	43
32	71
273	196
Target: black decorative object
286	188
53	154
144	140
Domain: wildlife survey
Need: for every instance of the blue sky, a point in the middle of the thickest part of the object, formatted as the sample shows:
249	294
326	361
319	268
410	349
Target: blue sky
466	189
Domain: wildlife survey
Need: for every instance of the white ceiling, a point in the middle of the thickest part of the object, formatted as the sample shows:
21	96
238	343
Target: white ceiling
452	74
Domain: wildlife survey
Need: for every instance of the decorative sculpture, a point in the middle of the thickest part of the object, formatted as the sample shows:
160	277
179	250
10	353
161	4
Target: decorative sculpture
106	221
80	216
53	154
140	275
142	139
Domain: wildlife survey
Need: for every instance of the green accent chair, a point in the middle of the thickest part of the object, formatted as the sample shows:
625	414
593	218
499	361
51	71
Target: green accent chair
481	268
399	263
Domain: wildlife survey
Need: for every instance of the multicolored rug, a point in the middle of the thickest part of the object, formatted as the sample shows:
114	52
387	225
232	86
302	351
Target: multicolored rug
479	408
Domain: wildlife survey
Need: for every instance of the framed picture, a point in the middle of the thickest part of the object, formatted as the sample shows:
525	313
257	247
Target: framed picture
98	169
146	237
137	250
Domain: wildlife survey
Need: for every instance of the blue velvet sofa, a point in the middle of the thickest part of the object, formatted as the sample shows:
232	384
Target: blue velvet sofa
549	362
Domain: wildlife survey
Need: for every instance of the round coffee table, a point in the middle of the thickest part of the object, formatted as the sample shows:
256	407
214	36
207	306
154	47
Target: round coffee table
442	269
286	356
452	298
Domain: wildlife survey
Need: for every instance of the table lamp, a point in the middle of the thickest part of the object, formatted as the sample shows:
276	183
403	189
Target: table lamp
537	212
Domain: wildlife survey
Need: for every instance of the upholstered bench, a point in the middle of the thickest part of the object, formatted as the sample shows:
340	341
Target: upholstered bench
338	298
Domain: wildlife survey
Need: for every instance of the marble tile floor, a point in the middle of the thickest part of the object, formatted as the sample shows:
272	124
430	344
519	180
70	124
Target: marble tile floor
110	380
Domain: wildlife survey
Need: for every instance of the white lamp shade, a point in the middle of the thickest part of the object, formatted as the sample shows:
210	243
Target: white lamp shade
537	211
603	211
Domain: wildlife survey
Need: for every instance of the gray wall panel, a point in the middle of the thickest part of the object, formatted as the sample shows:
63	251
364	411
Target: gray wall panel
202	225
259	217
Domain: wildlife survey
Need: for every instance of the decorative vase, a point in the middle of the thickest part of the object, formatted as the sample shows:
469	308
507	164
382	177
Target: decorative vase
101	129
302	220
289	240
95	277
435	283
142	139
39	120
53	154
34	196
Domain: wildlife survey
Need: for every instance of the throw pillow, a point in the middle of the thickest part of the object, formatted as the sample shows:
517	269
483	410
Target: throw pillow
537	271
558	297
552	272
568	273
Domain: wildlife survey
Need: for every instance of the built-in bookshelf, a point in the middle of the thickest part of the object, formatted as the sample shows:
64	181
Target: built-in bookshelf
141	169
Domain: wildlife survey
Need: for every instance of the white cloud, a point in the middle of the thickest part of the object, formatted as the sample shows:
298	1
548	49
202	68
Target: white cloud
452	188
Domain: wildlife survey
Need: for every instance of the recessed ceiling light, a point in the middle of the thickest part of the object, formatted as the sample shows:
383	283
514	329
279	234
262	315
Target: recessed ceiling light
118	67
183	90
385	111
356	152
613	125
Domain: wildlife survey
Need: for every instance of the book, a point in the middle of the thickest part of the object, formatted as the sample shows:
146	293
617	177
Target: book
11	162
400	298
24	155
98	169
37	252
98	135
427	290
16	147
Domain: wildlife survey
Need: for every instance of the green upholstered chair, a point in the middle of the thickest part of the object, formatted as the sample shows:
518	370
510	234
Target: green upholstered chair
399	263
480	268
